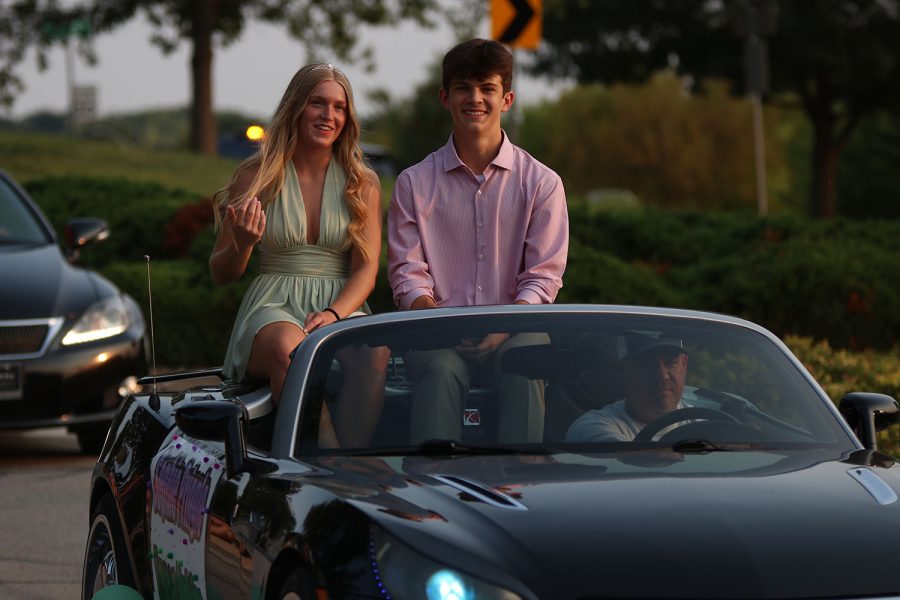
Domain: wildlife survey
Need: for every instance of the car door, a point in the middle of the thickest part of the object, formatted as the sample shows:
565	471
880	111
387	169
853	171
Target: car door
183	478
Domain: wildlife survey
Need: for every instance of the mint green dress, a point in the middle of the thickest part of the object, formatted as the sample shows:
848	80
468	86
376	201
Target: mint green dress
295	277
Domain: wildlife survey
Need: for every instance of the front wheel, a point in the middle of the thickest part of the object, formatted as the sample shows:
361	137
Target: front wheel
105	559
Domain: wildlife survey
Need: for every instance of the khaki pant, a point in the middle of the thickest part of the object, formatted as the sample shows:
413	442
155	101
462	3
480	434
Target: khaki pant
441	382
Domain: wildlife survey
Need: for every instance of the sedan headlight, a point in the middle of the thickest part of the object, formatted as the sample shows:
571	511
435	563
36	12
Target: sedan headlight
401	573
104	318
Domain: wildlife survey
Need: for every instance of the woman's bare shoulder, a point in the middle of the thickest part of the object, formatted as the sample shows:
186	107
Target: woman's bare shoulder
243	180
370	181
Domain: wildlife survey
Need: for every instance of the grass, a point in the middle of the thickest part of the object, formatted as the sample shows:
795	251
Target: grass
27	156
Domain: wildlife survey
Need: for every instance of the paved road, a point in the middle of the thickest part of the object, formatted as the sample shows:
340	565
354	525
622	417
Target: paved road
43	514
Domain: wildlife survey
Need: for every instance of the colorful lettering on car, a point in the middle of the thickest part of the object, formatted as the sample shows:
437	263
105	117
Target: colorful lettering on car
183	477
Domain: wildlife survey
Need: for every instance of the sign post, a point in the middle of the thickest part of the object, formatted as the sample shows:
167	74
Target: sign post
83	99
753	23
516	23
83	104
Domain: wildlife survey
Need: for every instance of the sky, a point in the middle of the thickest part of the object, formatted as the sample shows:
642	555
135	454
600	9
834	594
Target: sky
249	76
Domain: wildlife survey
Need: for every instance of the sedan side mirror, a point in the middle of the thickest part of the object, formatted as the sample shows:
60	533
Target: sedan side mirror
81	231
868	413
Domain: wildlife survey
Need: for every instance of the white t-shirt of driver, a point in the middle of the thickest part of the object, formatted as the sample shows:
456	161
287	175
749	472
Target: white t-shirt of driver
612	423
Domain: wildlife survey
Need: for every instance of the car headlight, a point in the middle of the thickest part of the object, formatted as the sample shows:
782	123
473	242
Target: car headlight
104	318
401	573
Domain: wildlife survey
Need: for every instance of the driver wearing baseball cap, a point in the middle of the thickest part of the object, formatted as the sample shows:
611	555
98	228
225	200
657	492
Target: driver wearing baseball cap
653	370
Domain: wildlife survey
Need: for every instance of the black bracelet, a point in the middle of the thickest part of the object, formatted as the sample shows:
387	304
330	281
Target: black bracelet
332	311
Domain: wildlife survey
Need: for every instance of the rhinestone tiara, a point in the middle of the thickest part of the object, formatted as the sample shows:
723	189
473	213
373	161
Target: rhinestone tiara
328	66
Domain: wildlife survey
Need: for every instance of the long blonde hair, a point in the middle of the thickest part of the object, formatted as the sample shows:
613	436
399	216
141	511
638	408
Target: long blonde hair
279	144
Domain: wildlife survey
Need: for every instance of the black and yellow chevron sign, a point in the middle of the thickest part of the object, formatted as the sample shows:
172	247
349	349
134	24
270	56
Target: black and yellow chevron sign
516	23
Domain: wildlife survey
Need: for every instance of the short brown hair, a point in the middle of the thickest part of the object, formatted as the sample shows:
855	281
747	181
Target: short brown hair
478	59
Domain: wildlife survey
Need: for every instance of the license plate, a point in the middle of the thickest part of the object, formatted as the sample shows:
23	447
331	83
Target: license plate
10	381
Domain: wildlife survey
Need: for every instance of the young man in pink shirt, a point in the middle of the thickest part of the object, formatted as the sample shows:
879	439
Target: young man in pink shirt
479	221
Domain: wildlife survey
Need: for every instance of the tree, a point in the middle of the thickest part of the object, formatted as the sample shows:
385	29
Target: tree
837	58
37	24
669	147
317	24
413	126
869	185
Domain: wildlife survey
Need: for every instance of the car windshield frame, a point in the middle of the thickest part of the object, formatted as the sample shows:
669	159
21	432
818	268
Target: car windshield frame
822	421
21	222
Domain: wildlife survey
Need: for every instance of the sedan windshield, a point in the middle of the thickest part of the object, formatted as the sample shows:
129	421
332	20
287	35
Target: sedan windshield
576	382
18	225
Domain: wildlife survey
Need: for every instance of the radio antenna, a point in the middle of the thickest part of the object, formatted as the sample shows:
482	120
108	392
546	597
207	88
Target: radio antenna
154	396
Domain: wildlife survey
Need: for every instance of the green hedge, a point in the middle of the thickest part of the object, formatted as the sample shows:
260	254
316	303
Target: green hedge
192	317
598	277
841	371
830	280
136	213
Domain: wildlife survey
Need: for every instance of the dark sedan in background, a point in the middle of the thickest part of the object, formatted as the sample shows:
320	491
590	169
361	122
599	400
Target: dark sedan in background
71	343
757	488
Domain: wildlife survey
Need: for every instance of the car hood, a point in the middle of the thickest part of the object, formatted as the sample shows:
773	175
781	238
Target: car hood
719	525
37	282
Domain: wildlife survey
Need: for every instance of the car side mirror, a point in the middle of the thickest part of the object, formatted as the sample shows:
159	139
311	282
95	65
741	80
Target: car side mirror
868	413
217	421
81	231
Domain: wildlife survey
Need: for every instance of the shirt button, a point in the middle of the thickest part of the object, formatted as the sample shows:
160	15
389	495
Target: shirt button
478	193
480	224
479	288
481	256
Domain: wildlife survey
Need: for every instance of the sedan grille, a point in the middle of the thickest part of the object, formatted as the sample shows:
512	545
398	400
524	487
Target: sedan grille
22	339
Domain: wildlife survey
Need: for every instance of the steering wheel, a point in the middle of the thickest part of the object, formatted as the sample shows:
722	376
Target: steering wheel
690	413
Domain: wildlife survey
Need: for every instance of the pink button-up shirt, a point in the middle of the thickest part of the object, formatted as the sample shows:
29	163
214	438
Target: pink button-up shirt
465	242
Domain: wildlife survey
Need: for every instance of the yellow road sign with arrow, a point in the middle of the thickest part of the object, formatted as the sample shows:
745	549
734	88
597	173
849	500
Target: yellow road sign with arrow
516	23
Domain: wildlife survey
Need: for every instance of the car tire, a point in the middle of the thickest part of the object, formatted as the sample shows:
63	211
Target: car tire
105	559
297	586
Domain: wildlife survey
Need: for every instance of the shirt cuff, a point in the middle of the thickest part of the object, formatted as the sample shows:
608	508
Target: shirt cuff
529	296
407	300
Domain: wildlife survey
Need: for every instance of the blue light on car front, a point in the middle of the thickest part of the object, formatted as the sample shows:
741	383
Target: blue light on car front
447	585
401	573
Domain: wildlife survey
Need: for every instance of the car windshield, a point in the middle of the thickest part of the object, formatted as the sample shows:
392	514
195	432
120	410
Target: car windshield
576	382
18	225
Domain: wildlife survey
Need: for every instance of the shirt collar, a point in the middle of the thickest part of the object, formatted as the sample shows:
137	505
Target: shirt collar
449	157
504	158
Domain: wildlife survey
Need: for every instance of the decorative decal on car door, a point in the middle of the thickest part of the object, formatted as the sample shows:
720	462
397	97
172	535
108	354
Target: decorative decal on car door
183	476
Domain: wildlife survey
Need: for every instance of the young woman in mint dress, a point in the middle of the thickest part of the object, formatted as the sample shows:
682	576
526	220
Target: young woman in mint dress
313	208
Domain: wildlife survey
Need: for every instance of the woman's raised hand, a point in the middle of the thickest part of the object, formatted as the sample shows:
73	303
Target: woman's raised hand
247	221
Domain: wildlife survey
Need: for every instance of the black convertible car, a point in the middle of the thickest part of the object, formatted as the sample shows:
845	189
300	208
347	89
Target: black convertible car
71	343
751	484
